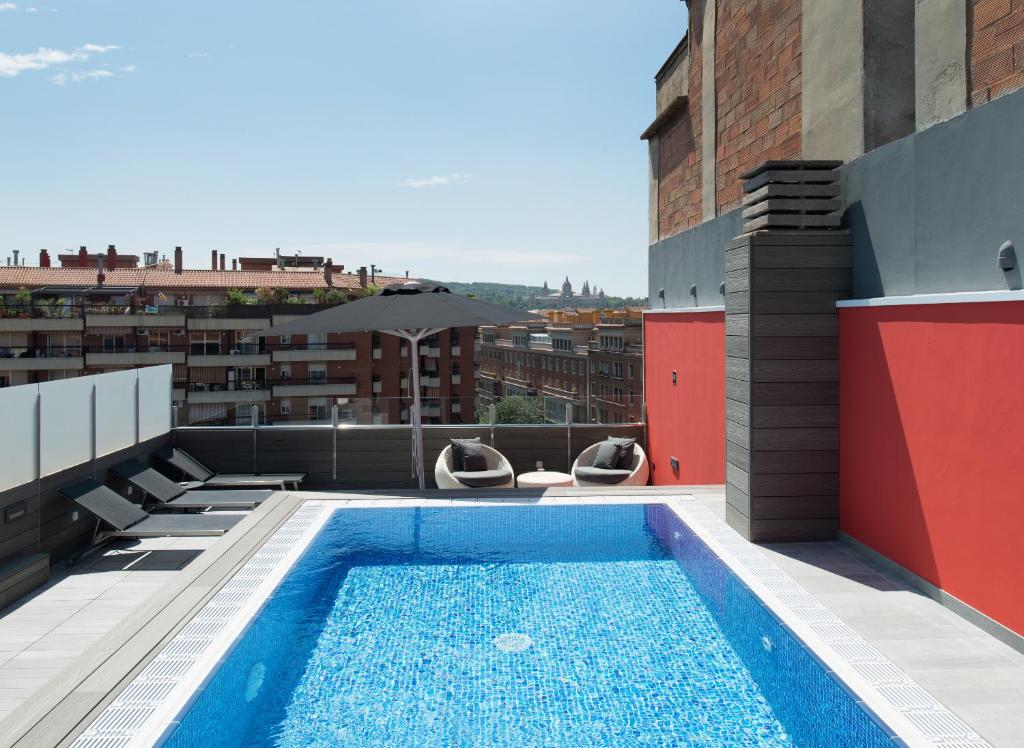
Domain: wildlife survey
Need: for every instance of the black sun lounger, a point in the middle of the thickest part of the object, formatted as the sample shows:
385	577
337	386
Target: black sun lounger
129	521
196	470
170	494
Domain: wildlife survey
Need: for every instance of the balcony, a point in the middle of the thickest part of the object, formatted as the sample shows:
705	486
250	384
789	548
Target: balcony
315	387
456	379
315	352
243	354
41	359
42	317
124	355
109	316
377	353
456	351
241	392
430	351
430	379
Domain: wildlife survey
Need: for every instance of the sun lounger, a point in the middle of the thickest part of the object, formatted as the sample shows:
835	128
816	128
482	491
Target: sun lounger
197	471
129	521
172	495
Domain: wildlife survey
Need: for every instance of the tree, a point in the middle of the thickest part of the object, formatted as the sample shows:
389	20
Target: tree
276	295
329	296
516	409
235	297
23	296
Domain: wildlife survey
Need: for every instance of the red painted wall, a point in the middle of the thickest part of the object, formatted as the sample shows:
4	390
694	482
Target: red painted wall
687	419
932	445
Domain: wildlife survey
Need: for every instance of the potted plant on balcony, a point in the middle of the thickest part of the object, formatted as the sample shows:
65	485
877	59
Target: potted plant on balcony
329	296
23	298
235	297
267	296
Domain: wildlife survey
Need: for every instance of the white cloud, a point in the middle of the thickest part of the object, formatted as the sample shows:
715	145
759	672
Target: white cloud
129	69
44	57
199	55
8	6
418	183
31	10
61	78
98	48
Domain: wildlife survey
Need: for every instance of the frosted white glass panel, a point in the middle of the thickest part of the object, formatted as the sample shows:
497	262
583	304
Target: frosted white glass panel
65	408
154	401
18	437
115	411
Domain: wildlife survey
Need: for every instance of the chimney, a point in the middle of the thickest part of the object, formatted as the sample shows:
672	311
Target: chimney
277	257
328	272
362	276
213	259
111	256
44	258
234	264
83	257
100	277
406	273
177	260
221	260
15	253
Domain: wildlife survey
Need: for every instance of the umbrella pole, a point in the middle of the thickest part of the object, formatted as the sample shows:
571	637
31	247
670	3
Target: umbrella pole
417	416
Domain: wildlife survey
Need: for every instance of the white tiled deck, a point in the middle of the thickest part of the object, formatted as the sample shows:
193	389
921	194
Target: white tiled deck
45	632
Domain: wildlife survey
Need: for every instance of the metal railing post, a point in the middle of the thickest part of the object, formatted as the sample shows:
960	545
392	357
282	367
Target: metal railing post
254	417
334	441
492	415
568	437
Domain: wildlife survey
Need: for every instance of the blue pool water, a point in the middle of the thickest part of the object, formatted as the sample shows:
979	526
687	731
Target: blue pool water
518	626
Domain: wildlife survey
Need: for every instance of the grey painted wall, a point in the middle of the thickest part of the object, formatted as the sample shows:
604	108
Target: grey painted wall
940	67
52	524
928	212
692	257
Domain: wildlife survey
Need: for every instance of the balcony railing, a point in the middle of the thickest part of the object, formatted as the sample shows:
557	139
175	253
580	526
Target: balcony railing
40	311
64	351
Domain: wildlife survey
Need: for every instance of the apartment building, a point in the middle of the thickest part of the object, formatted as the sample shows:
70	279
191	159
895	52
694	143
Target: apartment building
589	360
103	312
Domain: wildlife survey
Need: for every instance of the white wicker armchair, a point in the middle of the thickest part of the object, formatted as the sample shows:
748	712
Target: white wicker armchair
495	461
640	470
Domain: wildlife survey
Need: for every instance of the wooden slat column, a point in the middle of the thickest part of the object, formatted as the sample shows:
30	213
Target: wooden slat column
782	382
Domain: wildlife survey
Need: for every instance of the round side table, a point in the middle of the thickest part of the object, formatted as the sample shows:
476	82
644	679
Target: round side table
544	479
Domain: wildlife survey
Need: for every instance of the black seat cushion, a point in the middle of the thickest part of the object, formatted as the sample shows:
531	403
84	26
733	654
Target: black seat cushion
468	454
607	456
601	475
625	445
482	478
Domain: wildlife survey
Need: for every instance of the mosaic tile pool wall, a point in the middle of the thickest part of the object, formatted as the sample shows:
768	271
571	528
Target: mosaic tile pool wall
518	626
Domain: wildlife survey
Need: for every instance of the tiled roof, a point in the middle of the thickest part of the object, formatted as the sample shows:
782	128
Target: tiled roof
36	277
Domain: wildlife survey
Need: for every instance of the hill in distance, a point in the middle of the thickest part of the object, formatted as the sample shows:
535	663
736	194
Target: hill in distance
518	296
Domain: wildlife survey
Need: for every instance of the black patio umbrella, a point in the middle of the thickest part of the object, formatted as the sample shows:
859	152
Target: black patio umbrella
412	311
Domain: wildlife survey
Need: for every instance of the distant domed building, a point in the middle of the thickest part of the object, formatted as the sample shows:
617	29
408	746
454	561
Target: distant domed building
567	297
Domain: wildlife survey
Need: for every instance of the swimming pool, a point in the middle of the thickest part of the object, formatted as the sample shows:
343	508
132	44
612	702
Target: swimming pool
518	625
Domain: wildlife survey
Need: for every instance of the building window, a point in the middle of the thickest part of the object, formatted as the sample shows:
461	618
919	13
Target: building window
631	371
317	373
316	341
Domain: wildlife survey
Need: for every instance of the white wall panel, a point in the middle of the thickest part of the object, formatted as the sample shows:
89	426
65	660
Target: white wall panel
66	423
18	437
154	401
115	410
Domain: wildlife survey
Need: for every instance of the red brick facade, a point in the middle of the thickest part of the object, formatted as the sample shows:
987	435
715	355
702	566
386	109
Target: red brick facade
996	37
757	84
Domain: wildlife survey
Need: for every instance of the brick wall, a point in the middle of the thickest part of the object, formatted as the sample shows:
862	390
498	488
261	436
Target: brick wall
679	169
757	56
996	29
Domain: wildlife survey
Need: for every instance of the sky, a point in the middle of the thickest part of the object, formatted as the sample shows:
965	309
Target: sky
490	140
